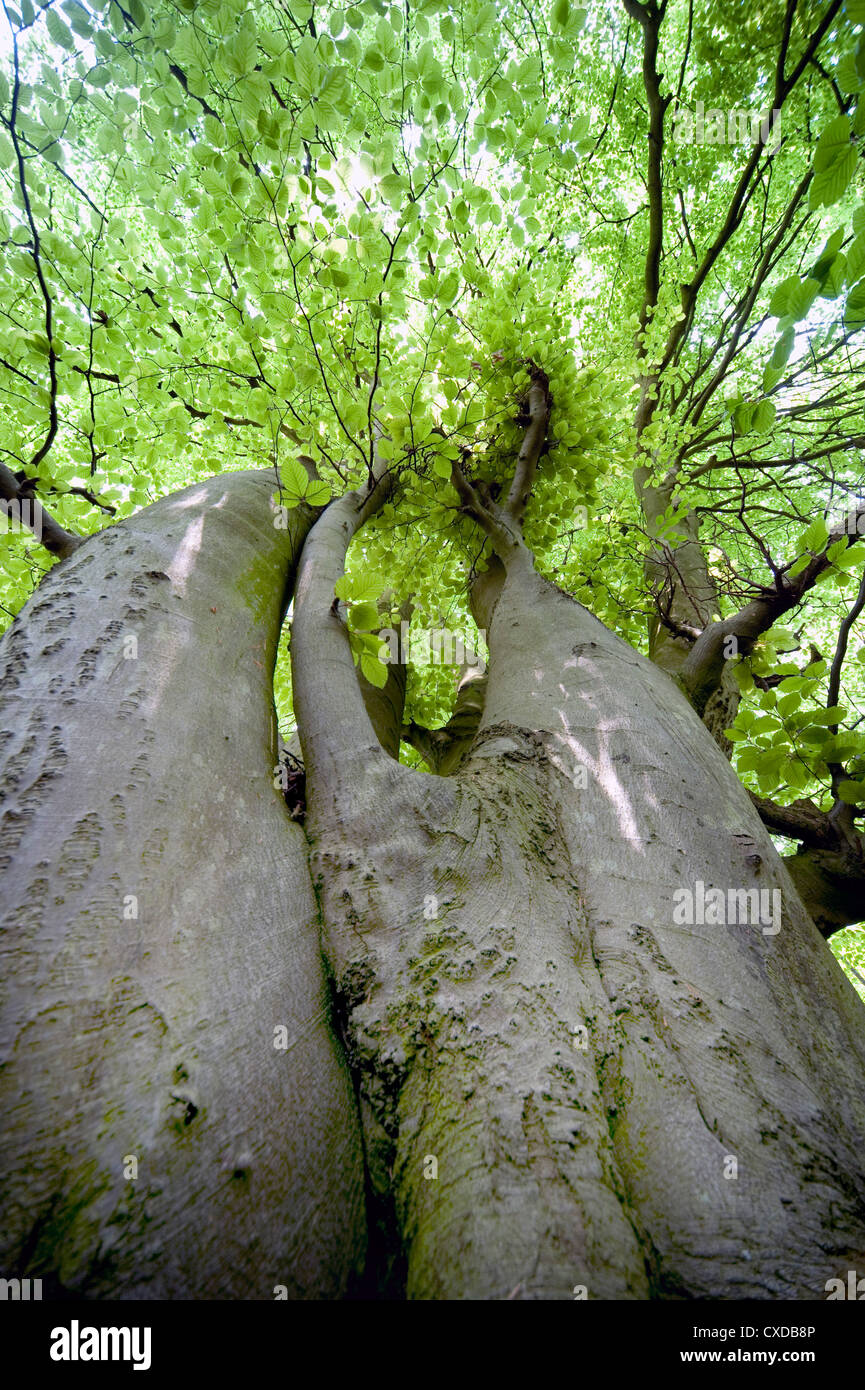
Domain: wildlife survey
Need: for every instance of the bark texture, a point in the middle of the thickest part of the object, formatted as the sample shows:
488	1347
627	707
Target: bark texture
163	995
831	883
560	1084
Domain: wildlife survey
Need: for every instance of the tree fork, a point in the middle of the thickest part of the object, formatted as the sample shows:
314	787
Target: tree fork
461	978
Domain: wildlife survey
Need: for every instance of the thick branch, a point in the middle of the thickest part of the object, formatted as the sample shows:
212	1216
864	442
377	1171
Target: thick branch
498	525
828	869
650	19
386	705
702	669
19	504
834	690
831	884
801	820
334	725
532	446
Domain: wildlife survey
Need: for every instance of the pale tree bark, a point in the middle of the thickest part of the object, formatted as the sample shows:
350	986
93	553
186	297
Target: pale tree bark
164	1003
553	1074
707	1139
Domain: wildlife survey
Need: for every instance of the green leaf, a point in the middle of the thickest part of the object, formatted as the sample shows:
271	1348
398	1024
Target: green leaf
359	587
829	186
815	734
836	550
856	259
794	297
833	144
364	617
317	493
79	19
854	310
853	793
779	303
788	703
748	758
449	288
393	186
374	670
59	31
783	348
294	479
847	73
802	298
742	417
816	536
832	281
833	715
763	418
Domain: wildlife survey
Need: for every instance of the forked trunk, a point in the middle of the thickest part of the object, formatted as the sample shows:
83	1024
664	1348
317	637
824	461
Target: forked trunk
567	1078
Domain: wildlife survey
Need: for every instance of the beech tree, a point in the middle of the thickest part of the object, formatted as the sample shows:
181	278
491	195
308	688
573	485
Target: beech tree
530	336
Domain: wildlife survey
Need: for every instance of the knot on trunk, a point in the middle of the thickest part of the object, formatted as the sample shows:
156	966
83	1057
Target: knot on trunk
294	789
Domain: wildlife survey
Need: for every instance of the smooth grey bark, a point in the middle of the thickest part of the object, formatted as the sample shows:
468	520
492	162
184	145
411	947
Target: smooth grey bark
385	705
687	597
192	1037
553	1074
556	1076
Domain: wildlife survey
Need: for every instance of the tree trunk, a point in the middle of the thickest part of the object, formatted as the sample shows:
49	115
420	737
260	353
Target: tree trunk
164	1002
562	1084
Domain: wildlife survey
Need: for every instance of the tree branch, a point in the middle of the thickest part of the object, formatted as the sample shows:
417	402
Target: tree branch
703	667
533	444
801	820
12	127
828	870
650	19
339	741
18	502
